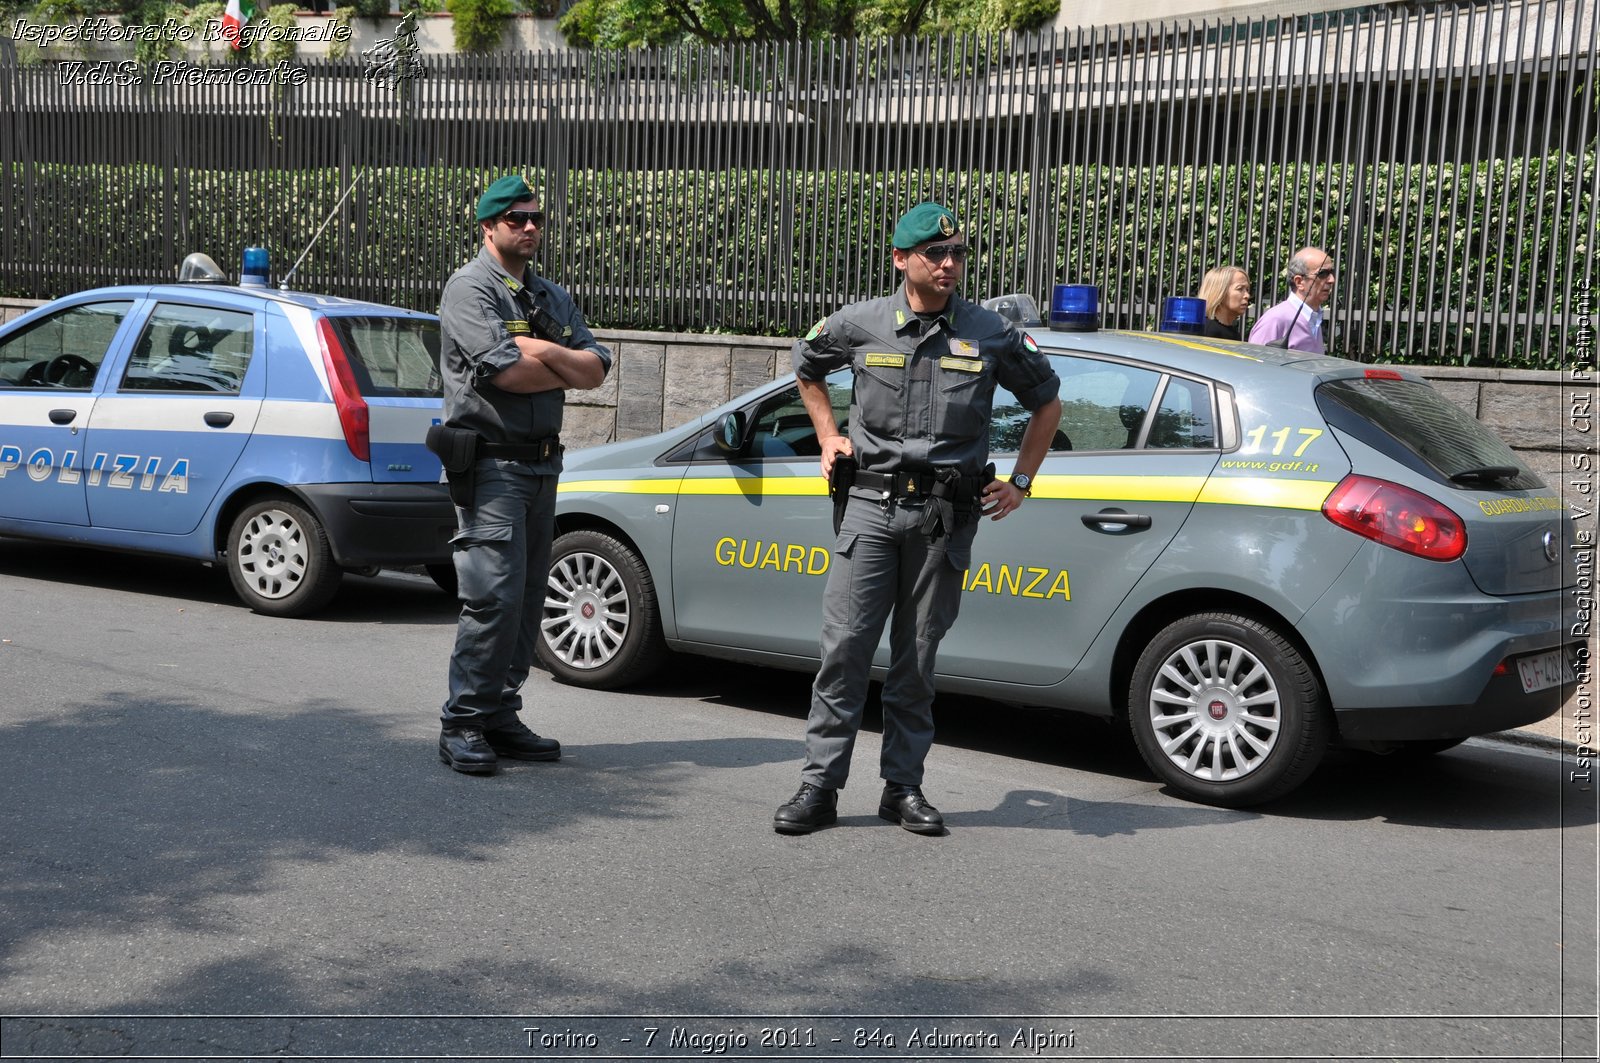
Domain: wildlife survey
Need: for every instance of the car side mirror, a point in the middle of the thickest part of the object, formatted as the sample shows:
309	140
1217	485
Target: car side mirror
731	433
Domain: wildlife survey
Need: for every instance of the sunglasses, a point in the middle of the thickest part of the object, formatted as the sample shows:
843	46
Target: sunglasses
940	252
1324	273
519	219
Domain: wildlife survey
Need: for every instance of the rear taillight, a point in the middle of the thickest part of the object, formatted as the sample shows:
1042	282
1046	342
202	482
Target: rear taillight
1397	516
353	416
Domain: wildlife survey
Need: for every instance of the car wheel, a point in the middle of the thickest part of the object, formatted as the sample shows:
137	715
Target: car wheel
601	625
279	559
445	576
1227	711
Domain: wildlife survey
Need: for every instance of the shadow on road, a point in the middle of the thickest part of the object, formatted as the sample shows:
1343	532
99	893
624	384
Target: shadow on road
394	597
1478	786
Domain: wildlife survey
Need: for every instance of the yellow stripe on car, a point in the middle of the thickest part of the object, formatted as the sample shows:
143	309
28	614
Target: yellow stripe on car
707	485
1193	346
1269	491
1119	488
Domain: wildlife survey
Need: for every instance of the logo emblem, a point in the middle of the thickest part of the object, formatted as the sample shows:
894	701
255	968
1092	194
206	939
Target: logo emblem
1217	710
947	225
1550	551
393	60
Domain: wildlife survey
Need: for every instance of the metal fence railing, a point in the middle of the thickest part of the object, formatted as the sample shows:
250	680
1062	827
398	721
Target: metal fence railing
1445	155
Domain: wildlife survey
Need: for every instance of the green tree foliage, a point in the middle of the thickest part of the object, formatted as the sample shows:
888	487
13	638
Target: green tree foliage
479	24
648	23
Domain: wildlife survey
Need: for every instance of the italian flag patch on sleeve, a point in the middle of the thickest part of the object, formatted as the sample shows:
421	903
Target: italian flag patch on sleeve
816	330
1028	344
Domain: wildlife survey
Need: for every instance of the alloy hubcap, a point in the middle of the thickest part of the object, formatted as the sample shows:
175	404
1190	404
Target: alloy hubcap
586	611
1216	710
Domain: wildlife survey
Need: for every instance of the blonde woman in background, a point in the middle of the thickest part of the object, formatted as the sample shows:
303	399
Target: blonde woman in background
1226	291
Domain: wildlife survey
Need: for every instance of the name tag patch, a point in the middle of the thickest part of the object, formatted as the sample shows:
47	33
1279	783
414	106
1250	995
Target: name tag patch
962	365
517	328
895	361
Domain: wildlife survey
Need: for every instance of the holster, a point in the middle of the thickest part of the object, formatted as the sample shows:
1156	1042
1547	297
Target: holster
938	512
839	484
457	450
949	505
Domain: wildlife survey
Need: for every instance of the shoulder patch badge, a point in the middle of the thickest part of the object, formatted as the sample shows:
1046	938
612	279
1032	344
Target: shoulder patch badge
816	330
1028	344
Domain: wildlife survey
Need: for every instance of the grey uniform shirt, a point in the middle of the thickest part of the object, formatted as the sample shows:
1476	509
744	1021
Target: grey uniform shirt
482	309
924	391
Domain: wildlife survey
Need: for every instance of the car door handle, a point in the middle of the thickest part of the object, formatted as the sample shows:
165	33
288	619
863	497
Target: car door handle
1115	520
219	418
63	416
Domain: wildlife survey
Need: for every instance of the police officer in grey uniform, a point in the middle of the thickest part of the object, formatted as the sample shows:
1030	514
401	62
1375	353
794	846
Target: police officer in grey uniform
512	343
926	362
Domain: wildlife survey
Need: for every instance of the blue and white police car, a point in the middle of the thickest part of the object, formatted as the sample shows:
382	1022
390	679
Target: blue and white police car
278	433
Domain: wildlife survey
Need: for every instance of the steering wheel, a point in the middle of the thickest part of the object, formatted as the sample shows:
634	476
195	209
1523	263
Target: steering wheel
56	372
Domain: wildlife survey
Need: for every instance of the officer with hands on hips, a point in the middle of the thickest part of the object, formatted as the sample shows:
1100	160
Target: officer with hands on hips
511	344
914	479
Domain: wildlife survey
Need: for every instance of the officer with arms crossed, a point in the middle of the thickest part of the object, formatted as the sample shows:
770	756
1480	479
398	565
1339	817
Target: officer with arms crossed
511	344
913	480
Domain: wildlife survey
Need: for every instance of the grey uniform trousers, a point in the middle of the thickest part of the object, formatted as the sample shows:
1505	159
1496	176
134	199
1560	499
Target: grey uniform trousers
882	564
502	557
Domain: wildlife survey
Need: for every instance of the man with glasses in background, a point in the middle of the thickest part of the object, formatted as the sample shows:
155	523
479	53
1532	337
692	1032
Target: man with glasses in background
511	344
1297	322
910	482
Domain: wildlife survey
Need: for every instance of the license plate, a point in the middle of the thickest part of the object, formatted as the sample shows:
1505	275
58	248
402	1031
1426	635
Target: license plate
1544	670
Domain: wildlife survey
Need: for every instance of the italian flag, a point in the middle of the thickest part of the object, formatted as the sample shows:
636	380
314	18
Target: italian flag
239	12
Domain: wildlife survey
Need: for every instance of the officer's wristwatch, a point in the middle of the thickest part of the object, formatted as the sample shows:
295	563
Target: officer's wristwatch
1022	482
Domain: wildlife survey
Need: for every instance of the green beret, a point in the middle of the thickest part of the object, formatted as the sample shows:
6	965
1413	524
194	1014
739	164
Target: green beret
501	195
925	221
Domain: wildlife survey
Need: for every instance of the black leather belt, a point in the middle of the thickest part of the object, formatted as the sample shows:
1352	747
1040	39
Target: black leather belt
913	484
542	450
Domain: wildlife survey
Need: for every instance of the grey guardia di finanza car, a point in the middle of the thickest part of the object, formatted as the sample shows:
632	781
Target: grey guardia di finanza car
1246	553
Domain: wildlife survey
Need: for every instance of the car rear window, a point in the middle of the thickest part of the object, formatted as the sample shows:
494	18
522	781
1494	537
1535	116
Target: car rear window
1418	427
400	355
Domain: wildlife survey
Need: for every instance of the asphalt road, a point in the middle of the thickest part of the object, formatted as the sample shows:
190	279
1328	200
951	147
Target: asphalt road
211	813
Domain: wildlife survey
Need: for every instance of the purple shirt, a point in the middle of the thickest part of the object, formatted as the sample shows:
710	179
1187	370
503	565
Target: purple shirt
1291	314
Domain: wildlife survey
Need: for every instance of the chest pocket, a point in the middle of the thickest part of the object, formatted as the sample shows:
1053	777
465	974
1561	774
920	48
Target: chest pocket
880	393
964	395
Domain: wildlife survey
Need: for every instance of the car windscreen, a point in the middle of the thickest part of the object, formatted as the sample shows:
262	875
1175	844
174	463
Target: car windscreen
1424	431
400	355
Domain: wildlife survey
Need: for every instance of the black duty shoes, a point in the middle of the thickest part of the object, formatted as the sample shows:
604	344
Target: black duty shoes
906	806
517	742
811	807
465	749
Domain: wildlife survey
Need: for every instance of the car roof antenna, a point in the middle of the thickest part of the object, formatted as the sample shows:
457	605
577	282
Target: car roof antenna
283	283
